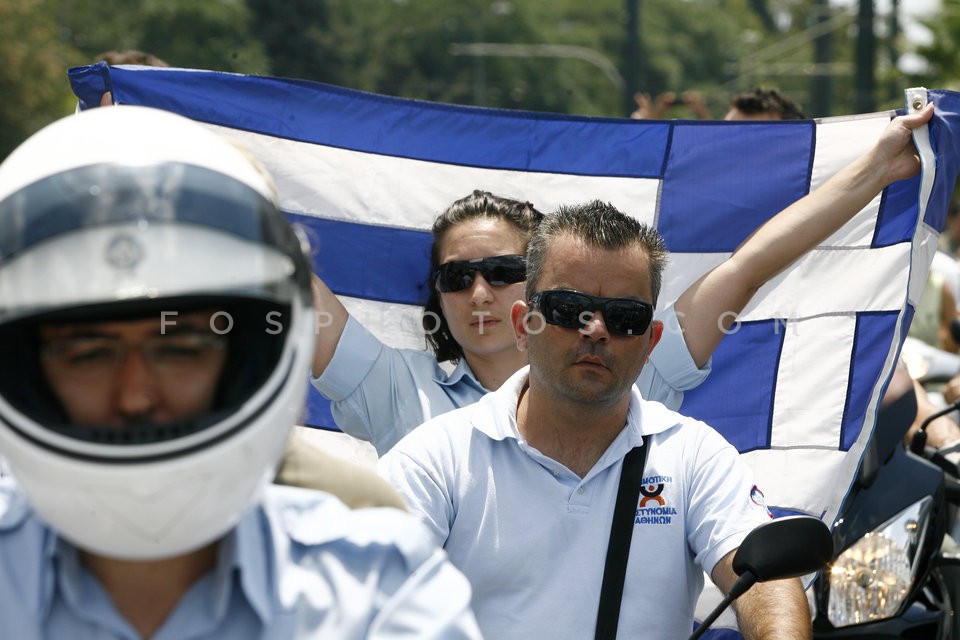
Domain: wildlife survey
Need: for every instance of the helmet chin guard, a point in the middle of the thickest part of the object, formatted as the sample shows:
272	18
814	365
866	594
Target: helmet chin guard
127	213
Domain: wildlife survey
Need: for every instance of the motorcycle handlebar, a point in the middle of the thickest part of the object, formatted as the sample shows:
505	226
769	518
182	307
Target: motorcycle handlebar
919	440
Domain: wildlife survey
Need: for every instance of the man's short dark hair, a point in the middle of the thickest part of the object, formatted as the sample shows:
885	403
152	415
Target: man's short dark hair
130	56
600	225
763	100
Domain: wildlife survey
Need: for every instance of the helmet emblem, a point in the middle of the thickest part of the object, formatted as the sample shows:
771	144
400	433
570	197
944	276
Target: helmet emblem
124	252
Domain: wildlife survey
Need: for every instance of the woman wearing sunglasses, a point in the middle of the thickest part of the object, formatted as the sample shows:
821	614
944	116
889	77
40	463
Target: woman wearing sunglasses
380	393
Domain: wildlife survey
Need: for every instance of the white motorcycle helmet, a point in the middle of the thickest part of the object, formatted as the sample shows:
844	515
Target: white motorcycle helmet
127	213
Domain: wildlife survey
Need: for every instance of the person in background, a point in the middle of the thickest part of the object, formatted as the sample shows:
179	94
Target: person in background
949	242
127	56
656	108
760	103
763	103
935	314
942	431
520	487
477	271
156	328
131	56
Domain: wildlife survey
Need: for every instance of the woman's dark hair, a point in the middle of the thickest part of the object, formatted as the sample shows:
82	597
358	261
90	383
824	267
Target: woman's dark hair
479	204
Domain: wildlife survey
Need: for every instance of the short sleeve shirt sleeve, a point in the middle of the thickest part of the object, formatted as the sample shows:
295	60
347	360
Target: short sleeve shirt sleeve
671	369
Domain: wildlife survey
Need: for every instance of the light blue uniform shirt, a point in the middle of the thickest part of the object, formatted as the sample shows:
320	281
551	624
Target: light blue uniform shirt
531	535
380	394
300	565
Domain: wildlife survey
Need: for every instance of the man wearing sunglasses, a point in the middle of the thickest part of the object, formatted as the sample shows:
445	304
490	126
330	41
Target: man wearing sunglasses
520	487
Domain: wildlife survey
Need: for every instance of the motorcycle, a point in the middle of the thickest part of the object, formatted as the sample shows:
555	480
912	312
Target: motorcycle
895	573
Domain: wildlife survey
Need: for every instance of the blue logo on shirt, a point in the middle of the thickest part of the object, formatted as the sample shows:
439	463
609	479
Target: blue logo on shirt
653	508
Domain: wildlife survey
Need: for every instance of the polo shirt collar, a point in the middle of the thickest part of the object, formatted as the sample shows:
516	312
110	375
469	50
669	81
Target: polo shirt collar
461	372
496	413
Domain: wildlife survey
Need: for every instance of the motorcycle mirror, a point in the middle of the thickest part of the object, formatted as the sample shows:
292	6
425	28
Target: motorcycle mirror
785	547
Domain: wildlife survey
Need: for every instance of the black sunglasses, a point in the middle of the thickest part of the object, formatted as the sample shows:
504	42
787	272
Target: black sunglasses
572	310
498	271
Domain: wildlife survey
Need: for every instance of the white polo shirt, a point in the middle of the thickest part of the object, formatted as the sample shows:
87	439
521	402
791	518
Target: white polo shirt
531	536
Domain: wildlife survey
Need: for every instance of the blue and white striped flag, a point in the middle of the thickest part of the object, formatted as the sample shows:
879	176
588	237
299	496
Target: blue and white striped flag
797	385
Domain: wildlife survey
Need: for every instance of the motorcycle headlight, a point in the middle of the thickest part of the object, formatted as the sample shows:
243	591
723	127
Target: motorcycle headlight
871	579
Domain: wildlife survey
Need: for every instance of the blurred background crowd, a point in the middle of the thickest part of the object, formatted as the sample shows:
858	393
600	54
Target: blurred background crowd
599	58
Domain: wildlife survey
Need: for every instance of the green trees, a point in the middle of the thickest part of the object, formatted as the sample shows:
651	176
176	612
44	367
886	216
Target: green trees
41	39
562	56
942	54
32	80
428	48
214	34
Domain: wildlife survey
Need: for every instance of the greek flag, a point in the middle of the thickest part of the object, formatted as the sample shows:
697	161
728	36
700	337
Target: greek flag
796	384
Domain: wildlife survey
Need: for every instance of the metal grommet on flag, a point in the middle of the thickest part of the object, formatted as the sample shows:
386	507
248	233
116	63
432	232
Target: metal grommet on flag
916	98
